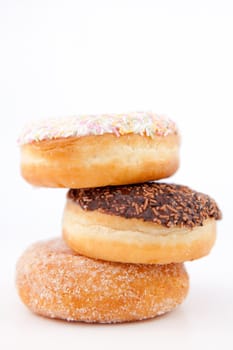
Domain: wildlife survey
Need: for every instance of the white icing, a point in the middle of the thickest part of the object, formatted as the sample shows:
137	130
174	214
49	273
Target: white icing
142	123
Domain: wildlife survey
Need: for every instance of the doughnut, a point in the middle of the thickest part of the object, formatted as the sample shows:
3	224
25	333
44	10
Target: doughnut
149	223
99	150
55	282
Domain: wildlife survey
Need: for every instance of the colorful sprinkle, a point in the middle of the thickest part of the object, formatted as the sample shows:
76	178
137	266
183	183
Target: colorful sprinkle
142	123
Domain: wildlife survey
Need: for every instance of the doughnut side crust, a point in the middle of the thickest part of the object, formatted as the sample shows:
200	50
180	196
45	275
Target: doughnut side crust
115	238
56	282
92	161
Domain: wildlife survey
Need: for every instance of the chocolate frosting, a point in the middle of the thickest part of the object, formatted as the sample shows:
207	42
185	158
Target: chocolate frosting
164	204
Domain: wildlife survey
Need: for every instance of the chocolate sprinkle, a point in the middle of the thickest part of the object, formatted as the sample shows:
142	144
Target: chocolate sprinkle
164	204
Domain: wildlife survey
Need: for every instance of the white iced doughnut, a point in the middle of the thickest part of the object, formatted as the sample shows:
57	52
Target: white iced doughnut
99	150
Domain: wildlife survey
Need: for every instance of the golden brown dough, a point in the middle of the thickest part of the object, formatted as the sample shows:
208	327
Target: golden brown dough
93	161
56	282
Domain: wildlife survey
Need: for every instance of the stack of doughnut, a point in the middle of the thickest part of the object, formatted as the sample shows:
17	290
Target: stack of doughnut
126	236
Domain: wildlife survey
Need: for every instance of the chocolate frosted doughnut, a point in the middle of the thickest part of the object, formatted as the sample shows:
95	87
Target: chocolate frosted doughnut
141	223
99	150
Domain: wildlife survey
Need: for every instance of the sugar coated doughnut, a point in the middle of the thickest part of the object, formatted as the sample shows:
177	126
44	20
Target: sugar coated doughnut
55	282
141	223
99	150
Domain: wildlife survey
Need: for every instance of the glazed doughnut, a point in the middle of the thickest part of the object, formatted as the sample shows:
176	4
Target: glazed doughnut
99	150
142	223
56	282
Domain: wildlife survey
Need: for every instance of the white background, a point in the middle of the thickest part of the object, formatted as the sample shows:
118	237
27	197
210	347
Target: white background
70	57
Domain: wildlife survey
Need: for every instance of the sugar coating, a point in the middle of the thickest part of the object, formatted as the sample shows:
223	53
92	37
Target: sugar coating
56	282
142	123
